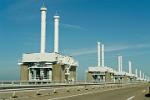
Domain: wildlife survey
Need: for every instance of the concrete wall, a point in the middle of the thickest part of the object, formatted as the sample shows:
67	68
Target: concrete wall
73	73
89	77
125	79
24	73
58	73
109	77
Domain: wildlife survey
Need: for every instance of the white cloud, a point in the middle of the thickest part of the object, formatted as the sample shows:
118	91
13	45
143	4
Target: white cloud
73	26
86	51
80	52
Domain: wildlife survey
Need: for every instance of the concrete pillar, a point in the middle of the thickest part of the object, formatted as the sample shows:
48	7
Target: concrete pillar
50	75
120	63
41	73
98	51
140	74
43	29
130	67
30	77
119	70
143	76
56	33
34	74
103	56
136	72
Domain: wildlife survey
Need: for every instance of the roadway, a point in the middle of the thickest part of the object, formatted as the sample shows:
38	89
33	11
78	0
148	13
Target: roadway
130	93
92	92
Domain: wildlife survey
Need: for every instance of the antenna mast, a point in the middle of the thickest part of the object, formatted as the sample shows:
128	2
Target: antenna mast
43	2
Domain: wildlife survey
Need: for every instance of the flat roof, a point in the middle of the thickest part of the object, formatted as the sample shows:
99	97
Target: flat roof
48	57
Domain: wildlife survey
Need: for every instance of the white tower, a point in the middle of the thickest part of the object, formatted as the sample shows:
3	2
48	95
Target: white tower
98	52
43	28
140	74
119	64
103	56
56	33
136	72
130	67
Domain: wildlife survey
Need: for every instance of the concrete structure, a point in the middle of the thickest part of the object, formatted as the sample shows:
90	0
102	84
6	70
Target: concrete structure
43	28
131	76
120	75
103	56
98	53
53	66
100	73
56	33
130	67
136	73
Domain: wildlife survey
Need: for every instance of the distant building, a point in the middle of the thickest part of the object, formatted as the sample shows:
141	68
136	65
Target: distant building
52	67
48	66
100	73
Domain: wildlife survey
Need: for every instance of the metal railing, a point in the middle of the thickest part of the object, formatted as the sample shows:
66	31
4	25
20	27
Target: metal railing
28	84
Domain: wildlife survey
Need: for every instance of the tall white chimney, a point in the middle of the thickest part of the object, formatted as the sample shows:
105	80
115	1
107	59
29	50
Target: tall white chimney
43	28
98	52
103	56
136	72
119	64
56	33
130	67
140	74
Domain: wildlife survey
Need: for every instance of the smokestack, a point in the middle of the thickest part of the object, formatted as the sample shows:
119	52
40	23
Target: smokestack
43	28
130	67
119	64
56	33
140	74
103	55
136	72
98	52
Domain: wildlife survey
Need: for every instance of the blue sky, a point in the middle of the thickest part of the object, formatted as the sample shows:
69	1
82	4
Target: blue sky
122	25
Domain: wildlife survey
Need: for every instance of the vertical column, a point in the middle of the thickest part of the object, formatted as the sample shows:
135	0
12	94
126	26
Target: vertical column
41	73
140	74
98	52
119	64
136	72
103	55
43	28
50	75
30	77
34	74
56	33
130	67
143	76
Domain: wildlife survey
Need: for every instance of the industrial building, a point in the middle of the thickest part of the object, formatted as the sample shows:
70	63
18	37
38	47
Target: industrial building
45	66
100	73
122	76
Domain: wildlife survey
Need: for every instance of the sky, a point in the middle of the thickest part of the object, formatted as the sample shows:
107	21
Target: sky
121	25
